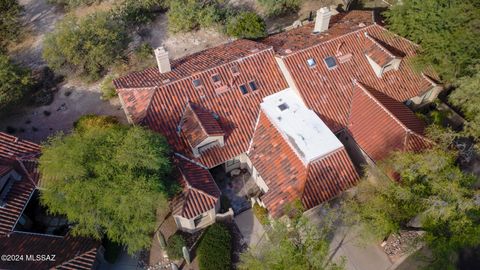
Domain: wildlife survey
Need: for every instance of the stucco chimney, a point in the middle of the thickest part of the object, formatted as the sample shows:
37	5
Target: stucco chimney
162	60
322	20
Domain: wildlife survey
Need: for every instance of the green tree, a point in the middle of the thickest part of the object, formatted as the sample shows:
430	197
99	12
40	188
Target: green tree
9	21
87	45
215	248
187	15
279	7
447	31
293	244
246	25
14	82
467	97
107	179
432	191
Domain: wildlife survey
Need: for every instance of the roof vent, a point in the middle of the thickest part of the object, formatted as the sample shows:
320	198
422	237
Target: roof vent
322	20
162	60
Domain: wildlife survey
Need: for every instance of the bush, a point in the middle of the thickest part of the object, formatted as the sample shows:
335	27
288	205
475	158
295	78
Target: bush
215	248
279	7
246	25
107	88
14	82
88	46
261	214
187	15
138	11
73	3
9	24
174	246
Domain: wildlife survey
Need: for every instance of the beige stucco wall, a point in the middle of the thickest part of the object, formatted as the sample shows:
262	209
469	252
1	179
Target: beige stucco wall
188	225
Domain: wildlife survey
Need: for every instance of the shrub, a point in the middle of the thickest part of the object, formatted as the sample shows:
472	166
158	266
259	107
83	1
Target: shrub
88	46
279	7
9	24
215	248
261	213
246	25
14	82
107	88
138	11
187	15
73	3
174	246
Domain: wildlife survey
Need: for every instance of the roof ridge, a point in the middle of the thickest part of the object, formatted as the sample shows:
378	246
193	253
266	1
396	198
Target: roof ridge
361	86
330	40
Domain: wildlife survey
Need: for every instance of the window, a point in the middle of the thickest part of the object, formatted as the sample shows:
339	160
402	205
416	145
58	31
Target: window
243	89
330	62
197	83
253	85
216	78
283	106
235	70
311	62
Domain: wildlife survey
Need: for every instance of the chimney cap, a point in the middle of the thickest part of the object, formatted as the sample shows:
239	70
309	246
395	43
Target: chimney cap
324	10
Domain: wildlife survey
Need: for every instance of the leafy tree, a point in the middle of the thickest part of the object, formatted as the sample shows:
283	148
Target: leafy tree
467	98
447	31
108	179
279	7
215	248
14	82
9	21
246	25
294	244
431	190
87	45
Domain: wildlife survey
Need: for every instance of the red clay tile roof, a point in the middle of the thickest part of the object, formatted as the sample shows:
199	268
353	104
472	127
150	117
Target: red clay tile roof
380	124
190	65
329	91
70	252
136	101
4	169
200	193
377	52
199	124
286	176
20	155
237	112
302	37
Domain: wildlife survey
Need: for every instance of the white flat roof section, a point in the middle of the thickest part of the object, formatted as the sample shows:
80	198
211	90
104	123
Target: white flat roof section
301	127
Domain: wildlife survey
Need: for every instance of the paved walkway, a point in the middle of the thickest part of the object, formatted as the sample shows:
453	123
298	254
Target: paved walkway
251	229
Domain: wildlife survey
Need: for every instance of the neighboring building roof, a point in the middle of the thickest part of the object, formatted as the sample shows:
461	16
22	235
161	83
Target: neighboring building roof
236	112
199	194
381	124
197	124
288	178
21	156
70	252
328	91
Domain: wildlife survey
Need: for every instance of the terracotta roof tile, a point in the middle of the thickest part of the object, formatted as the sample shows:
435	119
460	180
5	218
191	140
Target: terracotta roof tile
21	156
380	124
329	91
70	252
200	193
136	101
236	112
376	51
198	124
286	176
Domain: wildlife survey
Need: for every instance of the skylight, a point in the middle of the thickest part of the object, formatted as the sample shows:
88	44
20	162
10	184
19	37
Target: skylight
197	83
330	62
253	85
283	106
243	89
311	62
216	78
